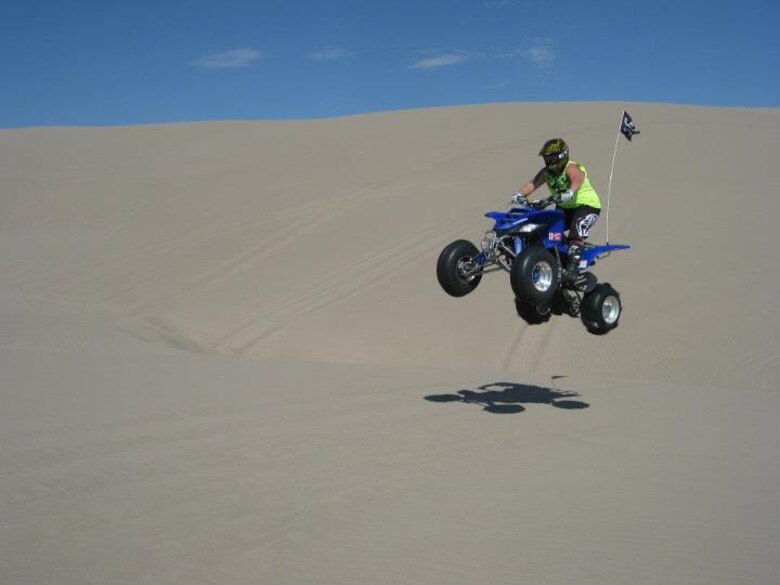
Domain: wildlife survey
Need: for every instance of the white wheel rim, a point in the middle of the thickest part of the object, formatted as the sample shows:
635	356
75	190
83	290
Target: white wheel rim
610	309
542	276
464	265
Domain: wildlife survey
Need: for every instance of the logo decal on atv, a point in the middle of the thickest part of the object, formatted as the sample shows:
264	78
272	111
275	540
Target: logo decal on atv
555	236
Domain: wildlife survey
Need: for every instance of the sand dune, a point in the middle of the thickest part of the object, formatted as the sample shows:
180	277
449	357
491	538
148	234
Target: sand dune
226	357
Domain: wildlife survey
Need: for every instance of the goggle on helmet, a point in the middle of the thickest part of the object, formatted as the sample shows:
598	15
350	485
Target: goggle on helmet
555	153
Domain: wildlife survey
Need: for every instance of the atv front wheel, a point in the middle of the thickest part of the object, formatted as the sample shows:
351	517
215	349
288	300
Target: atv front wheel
601	309
454	267
534	276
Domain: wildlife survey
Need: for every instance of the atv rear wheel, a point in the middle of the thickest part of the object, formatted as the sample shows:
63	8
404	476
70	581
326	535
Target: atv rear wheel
530	313
601	309
455	261
535	276
560	304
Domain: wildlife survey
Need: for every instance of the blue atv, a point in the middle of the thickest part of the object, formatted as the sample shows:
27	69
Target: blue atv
528	242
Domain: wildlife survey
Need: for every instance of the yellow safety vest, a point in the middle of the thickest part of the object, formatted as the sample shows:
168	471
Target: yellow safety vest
585	195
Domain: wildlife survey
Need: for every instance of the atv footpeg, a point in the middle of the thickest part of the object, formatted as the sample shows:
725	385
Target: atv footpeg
586	282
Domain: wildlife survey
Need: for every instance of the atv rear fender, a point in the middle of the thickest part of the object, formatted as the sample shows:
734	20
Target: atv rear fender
591	253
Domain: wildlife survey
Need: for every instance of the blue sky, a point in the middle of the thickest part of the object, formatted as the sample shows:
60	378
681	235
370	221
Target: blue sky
94	62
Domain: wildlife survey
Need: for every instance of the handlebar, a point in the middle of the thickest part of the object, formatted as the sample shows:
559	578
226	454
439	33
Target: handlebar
538	204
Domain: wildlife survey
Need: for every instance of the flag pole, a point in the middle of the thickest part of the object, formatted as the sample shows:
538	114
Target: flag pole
611	170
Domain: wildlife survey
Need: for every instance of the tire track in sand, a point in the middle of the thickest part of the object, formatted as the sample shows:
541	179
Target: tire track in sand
336	287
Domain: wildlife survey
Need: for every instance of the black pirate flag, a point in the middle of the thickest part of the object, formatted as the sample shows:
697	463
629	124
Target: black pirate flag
627	127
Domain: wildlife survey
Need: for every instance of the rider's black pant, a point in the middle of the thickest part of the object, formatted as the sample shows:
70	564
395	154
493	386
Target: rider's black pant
579	220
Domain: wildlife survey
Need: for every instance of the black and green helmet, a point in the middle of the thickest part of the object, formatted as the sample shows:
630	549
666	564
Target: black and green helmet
555	153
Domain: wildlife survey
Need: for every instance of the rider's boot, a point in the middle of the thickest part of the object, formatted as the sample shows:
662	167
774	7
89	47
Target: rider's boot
571	272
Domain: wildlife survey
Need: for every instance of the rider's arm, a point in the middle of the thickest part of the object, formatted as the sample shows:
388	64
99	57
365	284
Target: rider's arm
576	176
534	184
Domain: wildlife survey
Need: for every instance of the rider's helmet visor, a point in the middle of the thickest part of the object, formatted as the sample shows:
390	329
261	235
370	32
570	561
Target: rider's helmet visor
550	160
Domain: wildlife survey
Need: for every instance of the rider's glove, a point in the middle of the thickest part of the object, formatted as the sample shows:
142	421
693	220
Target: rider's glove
567	196
518	198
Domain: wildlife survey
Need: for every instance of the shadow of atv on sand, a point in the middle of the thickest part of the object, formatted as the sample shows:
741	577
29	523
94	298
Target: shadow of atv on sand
508	398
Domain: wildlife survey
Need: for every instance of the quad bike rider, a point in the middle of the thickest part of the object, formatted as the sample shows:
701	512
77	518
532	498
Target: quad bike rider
568	182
